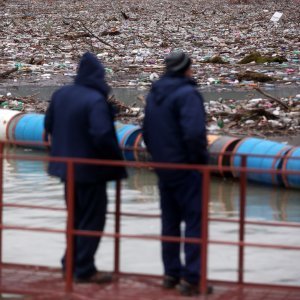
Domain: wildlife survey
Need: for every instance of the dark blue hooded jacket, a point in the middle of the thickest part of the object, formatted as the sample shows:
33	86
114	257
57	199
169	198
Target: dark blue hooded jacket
79	121
174	124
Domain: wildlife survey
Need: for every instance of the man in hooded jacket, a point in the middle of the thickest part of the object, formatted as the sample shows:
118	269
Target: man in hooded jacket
174	131
79	123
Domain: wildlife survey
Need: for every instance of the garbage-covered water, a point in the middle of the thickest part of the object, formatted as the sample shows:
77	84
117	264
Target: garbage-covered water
26	182
230	43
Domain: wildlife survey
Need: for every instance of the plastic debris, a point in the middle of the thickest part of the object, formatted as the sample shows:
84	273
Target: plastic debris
43	41
154	76
256	116
277	16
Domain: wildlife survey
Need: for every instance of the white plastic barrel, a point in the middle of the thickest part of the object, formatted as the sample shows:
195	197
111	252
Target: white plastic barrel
5	116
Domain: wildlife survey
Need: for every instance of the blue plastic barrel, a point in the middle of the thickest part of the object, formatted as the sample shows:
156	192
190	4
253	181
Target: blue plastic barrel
140	151
126	138
118	125
255	146
292	163
217	149
29	128
122	132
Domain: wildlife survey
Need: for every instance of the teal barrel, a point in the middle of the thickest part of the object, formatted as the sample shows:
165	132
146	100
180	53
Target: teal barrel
256	146
29	128
130	141
140	151
118	125
292	163
127	136
122	131
217	149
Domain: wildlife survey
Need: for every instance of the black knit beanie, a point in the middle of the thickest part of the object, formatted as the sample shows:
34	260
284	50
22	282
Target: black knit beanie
177	62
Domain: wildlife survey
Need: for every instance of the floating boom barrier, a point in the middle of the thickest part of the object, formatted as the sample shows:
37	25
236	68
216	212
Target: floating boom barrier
29	127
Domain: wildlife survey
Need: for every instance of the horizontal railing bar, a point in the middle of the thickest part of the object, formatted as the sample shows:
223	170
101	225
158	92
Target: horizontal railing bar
257	285
103	234
37	229
255	245
169	166
125	214
225	153
35	267
15	205
267	223
151	237
262	223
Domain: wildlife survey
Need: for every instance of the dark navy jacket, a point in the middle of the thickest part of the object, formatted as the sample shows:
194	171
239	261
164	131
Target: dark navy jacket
174	126
80	123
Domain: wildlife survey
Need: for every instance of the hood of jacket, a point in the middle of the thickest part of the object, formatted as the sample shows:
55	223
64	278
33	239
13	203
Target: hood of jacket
168	84
91	73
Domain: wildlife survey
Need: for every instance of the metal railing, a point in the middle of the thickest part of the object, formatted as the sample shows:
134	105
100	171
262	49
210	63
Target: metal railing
203	240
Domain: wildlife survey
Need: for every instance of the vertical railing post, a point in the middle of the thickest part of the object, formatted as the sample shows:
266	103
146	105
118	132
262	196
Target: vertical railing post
1	196
243	187
204	230
117	226
70	226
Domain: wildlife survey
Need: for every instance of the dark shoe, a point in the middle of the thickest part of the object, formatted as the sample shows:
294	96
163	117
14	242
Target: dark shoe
188	289
209	290
170	282
98	277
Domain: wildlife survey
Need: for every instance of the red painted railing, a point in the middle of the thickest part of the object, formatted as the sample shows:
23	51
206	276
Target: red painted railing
204	240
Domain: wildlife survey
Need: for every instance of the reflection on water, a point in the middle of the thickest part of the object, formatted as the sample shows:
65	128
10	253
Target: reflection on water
27	182
263	202
144	185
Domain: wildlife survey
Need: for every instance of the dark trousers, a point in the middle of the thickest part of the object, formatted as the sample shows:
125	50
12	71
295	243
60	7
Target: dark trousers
90	214
181	202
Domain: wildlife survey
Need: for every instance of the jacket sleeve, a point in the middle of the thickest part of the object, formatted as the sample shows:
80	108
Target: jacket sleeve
102	131
192	124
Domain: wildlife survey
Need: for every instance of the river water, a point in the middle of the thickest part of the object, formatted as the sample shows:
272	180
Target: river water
26	182
129	95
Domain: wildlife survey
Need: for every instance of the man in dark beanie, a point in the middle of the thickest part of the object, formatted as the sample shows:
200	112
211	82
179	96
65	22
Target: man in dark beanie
174	132
178	63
